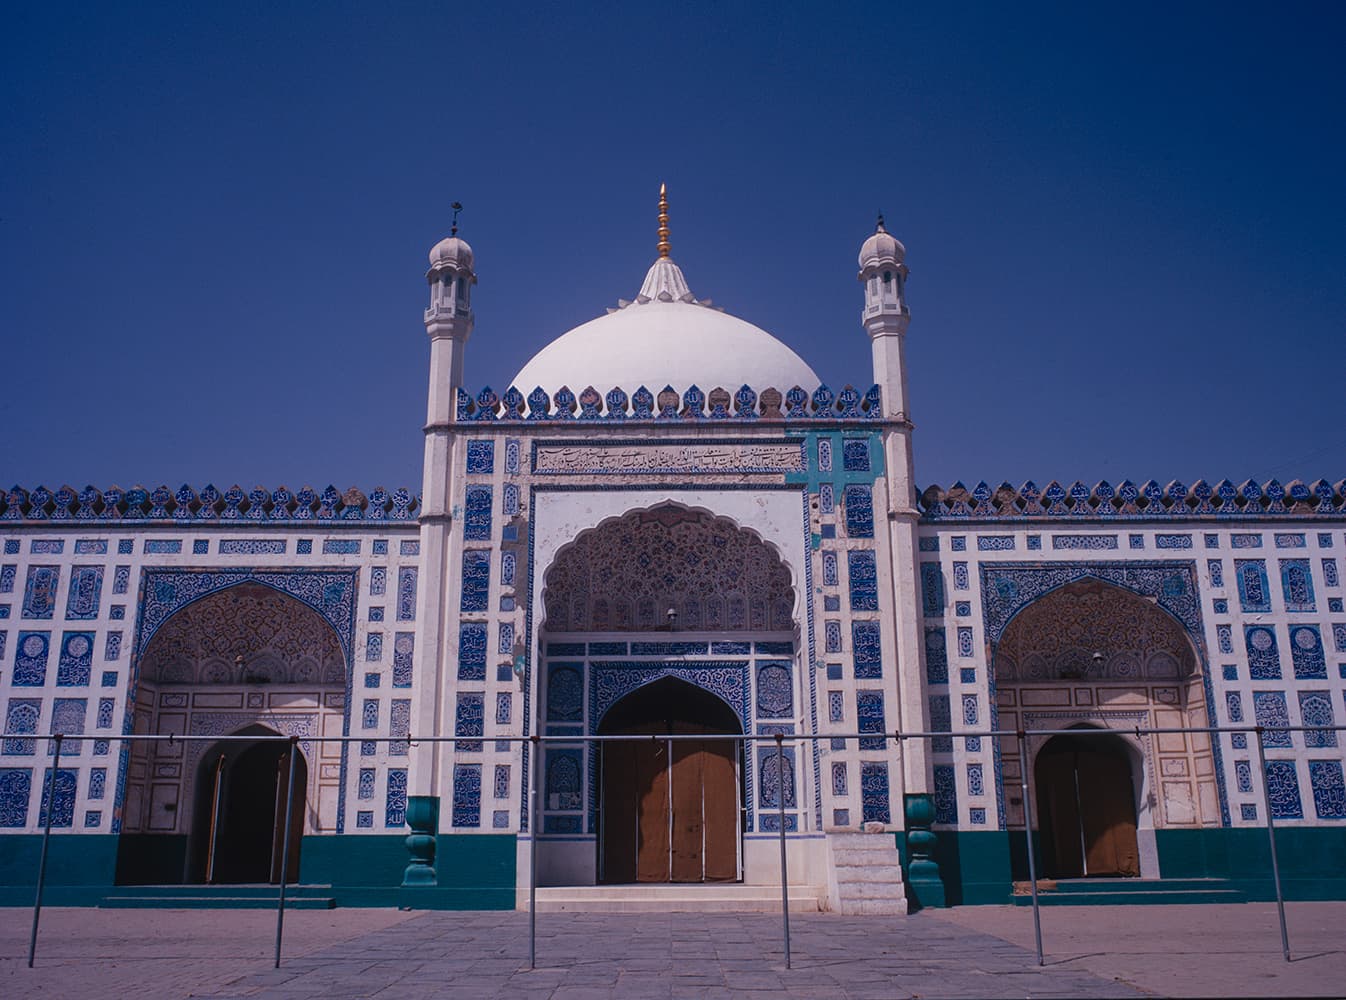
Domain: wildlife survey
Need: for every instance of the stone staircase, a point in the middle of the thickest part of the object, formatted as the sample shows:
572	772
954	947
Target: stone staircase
865	874
1128	891
671	898
217	897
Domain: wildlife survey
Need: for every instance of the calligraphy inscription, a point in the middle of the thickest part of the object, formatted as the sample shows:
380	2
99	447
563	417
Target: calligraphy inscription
637	459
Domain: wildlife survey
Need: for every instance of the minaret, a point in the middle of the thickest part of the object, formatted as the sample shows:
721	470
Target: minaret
448	321
885	319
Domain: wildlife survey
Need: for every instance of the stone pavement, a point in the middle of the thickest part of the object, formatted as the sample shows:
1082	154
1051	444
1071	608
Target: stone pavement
966	952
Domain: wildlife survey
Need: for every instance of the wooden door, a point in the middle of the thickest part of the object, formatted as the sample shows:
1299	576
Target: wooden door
1108	814
296	816
719	780
652	812
1059	815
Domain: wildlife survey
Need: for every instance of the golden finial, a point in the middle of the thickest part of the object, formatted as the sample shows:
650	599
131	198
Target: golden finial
663	221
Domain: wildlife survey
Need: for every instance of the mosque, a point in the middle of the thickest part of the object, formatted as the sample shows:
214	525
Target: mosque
668	525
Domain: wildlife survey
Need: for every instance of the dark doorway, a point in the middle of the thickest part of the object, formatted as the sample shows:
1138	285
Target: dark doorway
670	817
1086	808
238	831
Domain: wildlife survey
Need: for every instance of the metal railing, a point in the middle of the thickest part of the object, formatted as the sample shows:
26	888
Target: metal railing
536	742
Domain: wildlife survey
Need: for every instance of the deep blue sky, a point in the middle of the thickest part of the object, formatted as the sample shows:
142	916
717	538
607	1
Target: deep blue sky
1124	224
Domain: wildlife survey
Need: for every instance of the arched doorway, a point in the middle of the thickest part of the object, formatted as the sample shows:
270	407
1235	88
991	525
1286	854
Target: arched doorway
669	811
242	793
1086	804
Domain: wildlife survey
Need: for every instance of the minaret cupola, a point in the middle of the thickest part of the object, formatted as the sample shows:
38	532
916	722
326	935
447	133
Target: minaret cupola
885	276
451	277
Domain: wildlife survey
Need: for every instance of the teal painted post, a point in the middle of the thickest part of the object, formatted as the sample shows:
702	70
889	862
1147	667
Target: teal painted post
1271	838
50	799
285	849
1028	836
423	818
784	875
922	871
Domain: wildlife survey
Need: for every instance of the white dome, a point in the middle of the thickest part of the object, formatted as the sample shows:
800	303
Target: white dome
665	338
451	252
881	248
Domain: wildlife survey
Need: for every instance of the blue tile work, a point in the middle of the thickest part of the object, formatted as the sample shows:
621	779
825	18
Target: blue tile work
941	721
1243	775
832	636
945	794
1269	710
7	577
962	609
775	689
1246	541
1283	790
995	543
930	544
874	794
1330	577
200	546
86	593
501	781
827	530
1254	594
409	547
958	543
303	547
936	656
855	455
826	498
1334	605
1173	541
960	577
369	714
372	680
967	675
859	501
1224	635
62	798
476	580
1297	585
1212	540
91	547
30	659
11	546
477	512
75	663
970	709
253	546
404	651
1035	542
1230	672
869	718
39	592
504	708
863	575
380	547
480	457
932	589
47	546
1220	606
366	784
830	575
977	815
831	602
512	452
21	716
341	547
976	781
374	648
406	594
97	783
1248	812
1081	542
507	564
1306	653
395	808
565	692
839	779
1339	637
364	819
378	581
509	501
16	787
399	726
1234	706
1264	660
774	771
836	706
112	646
125	547
1290	540
469	720
866	649
163	546
466	795
1329	792
376	614
824	454
964	641
1315	709
1215	570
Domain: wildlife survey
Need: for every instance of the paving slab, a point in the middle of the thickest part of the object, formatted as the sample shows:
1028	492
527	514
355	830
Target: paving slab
1098	951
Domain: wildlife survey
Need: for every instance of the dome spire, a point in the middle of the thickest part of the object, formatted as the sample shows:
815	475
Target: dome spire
663	246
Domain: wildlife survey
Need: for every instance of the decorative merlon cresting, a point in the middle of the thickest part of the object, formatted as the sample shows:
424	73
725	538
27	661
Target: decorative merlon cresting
185	504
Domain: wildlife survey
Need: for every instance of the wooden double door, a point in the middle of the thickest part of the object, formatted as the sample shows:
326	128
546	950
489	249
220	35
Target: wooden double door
240	813
1086	808
670	808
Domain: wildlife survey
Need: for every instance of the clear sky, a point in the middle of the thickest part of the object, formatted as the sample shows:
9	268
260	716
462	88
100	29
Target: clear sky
1124	222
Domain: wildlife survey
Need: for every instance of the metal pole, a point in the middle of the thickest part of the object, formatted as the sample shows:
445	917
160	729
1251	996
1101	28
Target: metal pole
780	813
1028	832
1271	839
534	822
50	799
285	847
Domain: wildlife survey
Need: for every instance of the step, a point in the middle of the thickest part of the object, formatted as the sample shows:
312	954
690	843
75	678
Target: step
665	898
1137	898
244	889
890	907
869	873
1134	884
214	902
